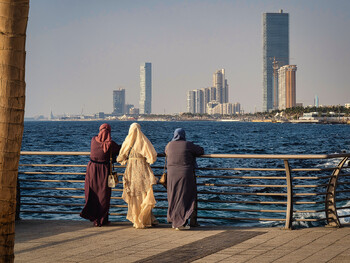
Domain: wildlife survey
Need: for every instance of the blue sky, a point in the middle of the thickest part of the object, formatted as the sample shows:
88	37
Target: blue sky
79	51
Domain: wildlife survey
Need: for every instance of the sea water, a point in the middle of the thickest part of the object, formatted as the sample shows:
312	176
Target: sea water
214	136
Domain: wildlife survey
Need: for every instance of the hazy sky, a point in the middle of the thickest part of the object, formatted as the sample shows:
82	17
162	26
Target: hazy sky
79	51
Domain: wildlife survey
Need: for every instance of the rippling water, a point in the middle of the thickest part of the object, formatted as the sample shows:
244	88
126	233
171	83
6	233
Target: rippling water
215	137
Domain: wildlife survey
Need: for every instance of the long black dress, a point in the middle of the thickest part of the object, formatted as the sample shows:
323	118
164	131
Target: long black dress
97	192
181	186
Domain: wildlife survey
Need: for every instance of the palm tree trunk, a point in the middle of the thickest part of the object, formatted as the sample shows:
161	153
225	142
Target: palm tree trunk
13	26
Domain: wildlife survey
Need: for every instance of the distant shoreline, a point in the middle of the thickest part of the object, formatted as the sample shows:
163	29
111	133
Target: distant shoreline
195	120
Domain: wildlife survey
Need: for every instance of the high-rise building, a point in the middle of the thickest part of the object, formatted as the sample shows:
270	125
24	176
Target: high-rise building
287	87
119	102
146	88
275	53
237	108
206	98
220	84
191	101
316	102
212	94
199	100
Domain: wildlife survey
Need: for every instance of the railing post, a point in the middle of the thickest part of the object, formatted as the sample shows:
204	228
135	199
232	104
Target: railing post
331	209
289	211
18	200
193	218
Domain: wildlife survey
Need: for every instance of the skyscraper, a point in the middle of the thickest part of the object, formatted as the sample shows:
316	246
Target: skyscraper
316	101
220	83
119	102
275	53
146	88
287	87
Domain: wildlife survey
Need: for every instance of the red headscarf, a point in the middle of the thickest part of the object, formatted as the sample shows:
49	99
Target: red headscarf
104	137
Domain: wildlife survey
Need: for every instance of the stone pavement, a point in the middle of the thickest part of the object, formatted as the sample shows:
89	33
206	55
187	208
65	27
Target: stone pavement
77	241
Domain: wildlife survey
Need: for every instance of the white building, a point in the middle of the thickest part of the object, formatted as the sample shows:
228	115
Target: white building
146	88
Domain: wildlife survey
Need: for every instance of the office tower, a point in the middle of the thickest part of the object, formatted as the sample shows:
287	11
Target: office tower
146	88
237	108
220	84
119	101
287	87
316	102
275	54
191	101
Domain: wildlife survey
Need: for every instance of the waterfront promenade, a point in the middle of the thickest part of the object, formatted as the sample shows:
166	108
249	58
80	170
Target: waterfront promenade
77	241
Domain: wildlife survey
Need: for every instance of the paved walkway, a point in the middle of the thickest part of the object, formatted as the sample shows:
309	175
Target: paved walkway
77	241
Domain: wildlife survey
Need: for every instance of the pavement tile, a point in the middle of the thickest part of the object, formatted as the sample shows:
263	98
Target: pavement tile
77	241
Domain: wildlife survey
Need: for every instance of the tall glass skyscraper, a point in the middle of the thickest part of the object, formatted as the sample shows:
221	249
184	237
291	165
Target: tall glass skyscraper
119	101
146	88
275	52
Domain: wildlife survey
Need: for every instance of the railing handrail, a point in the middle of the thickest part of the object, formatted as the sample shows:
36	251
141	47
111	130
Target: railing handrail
234	156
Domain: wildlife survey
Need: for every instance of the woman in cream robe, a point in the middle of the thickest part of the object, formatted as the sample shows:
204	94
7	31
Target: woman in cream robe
138	153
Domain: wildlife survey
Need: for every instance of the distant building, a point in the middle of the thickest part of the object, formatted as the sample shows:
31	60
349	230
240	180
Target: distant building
191	101
237	108
212	94
220	108
286	87
128	107
146	88
199	101
100	115
220	84
134	111
347	105
275	49
119	102
213	108
316	102
206	98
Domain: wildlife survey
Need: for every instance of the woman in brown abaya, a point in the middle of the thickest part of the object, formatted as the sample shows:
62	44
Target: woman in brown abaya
97	192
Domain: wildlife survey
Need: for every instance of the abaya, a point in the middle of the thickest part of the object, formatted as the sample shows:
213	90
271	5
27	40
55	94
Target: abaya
181	186
138	153
97	192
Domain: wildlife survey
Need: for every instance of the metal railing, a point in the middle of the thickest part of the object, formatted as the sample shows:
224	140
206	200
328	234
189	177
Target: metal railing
289	189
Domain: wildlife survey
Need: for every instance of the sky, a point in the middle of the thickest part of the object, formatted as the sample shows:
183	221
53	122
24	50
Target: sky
79	51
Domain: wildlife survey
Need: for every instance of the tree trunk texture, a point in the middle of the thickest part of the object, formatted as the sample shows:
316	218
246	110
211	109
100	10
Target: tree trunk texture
13	26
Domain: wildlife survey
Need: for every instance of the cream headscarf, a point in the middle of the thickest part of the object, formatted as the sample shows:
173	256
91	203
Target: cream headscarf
139	143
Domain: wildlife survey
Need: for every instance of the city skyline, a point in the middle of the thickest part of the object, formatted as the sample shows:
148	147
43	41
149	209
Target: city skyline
211	99
70	70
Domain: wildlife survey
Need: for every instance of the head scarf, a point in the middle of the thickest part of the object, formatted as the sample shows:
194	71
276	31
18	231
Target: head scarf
104	137
179	135
139	143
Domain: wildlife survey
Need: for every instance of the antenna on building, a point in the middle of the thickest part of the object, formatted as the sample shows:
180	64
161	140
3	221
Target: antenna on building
276	66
